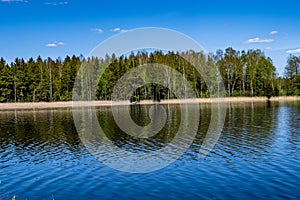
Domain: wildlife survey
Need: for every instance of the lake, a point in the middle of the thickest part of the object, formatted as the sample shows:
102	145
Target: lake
256	156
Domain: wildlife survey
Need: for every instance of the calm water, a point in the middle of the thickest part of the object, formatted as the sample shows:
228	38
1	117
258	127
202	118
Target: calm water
256	157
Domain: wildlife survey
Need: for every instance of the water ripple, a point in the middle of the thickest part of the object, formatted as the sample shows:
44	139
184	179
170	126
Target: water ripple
256	157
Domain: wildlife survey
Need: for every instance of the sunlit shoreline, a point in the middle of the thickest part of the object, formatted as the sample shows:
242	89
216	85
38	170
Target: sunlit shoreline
66	104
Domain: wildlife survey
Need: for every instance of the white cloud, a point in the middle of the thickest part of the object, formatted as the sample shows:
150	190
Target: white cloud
56	3
60	43
98	30
268	48
115	30
118	30
55	44
293	51
273	32
51	45
258	40
17	1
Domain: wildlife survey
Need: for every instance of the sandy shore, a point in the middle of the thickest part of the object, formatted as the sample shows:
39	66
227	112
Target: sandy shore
45	105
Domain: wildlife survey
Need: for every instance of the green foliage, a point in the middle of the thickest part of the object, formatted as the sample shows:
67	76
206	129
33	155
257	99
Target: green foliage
244	73
37	80
235	93
292	76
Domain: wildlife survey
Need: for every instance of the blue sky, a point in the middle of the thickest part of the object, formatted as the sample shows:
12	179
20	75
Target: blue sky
58	28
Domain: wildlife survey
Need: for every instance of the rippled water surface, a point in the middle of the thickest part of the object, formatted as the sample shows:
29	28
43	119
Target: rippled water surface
256	157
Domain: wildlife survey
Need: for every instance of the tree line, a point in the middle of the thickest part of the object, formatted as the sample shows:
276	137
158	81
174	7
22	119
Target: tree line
244	73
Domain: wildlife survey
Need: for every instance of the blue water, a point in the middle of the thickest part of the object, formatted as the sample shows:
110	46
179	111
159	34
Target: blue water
256	157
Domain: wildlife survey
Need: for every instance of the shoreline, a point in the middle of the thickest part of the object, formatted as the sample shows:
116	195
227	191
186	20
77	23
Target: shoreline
70	104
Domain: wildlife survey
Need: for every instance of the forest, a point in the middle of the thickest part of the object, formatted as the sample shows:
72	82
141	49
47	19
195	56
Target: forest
244	73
